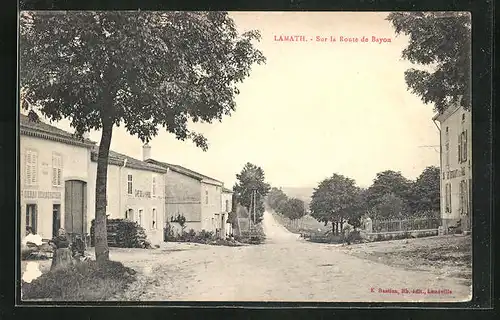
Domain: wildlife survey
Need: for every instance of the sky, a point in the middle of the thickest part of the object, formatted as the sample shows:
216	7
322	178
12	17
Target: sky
314	109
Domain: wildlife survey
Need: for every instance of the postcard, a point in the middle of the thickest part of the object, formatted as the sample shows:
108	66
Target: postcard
245	156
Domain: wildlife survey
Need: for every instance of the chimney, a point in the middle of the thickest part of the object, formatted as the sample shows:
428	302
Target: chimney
146	152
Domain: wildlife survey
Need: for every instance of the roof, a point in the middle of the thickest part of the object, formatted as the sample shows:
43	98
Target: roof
118	159
43	130
226	190
174	168
182	170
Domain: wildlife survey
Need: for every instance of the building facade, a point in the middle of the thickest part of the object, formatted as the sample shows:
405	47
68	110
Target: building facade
211	209
55	180
192	195
456	170
135	191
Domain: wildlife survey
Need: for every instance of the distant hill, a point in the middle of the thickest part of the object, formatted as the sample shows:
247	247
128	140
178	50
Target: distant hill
302	193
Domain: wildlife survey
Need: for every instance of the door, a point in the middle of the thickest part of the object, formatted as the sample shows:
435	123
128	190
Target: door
56	219
223	227
129	214
75	210
31	217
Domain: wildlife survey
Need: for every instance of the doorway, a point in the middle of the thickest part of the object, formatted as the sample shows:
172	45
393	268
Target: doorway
56	219
129	214
75	206
31	217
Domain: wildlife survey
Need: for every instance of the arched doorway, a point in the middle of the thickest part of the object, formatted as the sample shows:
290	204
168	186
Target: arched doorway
129	214
75	207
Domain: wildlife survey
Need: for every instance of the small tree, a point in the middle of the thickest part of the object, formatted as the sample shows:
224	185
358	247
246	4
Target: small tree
335	199
251	179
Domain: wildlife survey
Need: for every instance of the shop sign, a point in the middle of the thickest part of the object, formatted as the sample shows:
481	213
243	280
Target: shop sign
34	194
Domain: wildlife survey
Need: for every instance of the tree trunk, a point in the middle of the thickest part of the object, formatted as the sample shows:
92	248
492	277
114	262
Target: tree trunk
101	234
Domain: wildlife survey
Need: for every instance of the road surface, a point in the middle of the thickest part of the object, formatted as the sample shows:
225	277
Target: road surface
285	268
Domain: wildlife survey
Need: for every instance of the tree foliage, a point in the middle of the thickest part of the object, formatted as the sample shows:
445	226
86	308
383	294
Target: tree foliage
425	191
142	70
390	206
335	199
442	41
293	208
249	179
276	199
388	183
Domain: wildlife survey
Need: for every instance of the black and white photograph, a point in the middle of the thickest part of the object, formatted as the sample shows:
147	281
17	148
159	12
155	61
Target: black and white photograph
245	156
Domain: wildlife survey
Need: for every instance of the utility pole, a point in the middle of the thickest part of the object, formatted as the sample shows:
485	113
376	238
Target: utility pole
254	205
250	213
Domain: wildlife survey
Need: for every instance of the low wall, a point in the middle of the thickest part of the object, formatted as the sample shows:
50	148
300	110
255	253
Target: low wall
383	236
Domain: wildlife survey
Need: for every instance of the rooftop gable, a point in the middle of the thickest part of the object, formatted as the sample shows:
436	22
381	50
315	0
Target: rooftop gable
44	130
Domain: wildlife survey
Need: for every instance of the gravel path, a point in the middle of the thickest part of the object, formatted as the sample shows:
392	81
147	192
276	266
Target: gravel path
285	268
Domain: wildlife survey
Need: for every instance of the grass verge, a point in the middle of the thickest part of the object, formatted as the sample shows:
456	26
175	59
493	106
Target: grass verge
85	281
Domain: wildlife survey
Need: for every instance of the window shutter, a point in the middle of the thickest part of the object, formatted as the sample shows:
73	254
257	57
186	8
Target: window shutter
460	148
28	167
465	145
35	219
34	172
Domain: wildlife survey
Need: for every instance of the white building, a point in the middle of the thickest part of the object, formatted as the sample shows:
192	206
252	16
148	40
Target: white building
57	183
55	180
135	191
456	172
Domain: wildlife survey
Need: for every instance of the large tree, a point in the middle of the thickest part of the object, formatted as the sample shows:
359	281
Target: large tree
142	70
442	41
425	193
250	179
334	200
386	183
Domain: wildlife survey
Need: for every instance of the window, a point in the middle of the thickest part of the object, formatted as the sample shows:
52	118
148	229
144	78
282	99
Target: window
31	217
129	214
227	206
153	187
154	219
139	218
57	166
448	197
31	167
206	196
129	184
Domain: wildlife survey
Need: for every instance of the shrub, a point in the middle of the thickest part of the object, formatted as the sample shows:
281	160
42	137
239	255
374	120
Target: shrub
123	233
87	281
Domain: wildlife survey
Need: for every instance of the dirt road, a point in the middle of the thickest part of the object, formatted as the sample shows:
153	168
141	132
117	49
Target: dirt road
285	268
